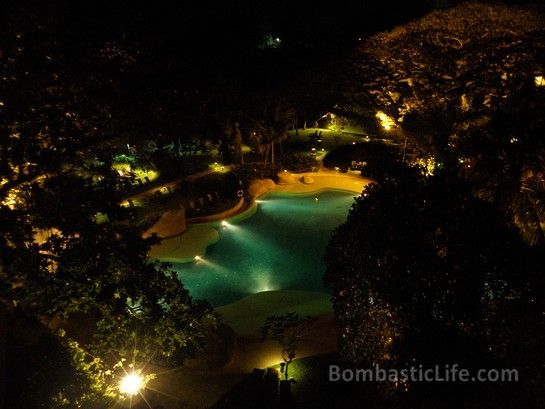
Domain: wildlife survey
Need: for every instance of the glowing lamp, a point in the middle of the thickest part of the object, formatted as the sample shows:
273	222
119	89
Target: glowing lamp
131	384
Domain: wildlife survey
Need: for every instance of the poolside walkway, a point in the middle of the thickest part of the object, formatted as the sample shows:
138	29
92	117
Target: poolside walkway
325	179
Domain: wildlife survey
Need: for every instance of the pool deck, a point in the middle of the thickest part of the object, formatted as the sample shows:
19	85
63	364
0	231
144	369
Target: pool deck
325	179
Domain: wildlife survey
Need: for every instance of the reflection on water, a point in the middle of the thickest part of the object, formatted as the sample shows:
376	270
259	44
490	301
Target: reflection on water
280	247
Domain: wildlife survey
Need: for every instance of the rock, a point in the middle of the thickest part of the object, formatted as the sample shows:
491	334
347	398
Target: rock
307	180
269	183
285	178
259	186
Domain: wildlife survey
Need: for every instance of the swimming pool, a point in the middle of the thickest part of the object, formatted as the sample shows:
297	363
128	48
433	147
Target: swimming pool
280	247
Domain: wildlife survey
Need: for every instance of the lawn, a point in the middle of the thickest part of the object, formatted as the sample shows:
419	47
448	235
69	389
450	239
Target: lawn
312	389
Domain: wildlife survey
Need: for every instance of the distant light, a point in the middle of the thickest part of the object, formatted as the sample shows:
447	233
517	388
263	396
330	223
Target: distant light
224	223
316	199
197	258
277	39
386	121
323	149
131	384
353	143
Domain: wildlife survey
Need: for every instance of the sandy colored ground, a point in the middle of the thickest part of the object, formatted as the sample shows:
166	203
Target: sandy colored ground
246	316
325	179
185	247
171	224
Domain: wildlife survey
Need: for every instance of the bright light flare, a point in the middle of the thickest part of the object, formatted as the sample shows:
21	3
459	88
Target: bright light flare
224	223
197	258
131	384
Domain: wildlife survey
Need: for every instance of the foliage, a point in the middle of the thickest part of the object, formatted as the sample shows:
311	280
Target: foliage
286	330
122	158
505	161
447	79
42	375
296	161
380	159
62	124
469	57
424	273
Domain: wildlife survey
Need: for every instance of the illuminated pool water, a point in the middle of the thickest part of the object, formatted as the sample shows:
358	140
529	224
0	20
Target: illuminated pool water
280	247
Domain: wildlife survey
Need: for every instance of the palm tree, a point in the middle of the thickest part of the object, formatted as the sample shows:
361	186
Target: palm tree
269	122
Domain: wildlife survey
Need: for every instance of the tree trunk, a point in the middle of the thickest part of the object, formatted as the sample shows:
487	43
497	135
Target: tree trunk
3	332
238	143
267	155
272	153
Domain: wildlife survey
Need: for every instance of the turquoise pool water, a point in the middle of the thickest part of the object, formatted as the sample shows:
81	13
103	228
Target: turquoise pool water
280	247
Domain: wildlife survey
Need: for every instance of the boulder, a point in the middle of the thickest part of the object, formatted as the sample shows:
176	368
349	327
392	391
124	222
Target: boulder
307	180
259	186
285	178
269	183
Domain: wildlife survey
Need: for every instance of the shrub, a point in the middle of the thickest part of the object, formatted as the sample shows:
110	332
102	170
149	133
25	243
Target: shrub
297	161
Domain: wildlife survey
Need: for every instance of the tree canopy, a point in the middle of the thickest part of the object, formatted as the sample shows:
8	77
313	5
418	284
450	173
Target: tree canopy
447	81
58	260
423	273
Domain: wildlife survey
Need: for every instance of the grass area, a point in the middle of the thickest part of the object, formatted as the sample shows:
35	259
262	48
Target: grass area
312	389
331	138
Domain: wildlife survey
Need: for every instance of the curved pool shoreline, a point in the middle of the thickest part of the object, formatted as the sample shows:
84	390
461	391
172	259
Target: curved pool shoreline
276	245
196	240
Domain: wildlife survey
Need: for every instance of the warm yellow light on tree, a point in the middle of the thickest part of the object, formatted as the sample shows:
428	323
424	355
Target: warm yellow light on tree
386	121
539	80
131	384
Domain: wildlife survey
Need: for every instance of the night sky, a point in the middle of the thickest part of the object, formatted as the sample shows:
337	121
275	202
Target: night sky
220	37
